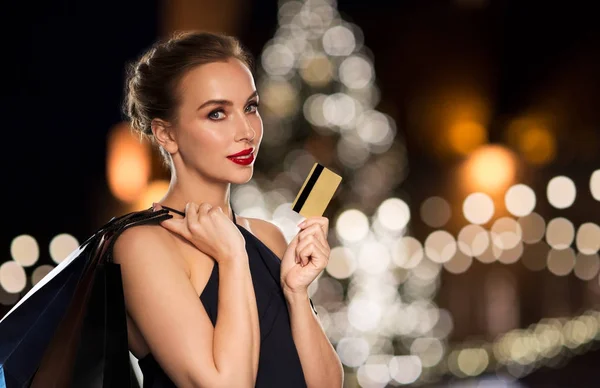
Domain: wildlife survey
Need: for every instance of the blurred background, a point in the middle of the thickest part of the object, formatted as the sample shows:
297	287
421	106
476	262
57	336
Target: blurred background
465	234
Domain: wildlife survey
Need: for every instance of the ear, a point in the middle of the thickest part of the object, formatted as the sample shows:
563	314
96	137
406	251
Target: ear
163	134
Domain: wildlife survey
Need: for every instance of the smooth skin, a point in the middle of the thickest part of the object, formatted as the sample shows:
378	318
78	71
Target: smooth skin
165	267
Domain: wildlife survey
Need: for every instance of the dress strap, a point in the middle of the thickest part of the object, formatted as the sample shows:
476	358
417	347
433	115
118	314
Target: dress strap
173	210
183	213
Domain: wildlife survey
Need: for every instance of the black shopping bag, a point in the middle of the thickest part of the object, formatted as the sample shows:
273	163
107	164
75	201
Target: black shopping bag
70	330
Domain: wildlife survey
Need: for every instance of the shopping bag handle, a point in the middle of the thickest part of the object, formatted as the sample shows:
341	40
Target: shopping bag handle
56	367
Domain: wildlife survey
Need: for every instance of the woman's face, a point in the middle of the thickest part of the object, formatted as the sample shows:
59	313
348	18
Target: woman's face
218	117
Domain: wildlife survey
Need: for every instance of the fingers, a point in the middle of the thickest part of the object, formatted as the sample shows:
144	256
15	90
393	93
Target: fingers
204	208
323	222
175	225
311	249
214	211
193	214
313	254
312	239
315	230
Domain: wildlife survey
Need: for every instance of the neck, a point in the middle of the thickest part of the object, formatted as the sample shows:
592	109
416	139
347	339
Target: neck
181	192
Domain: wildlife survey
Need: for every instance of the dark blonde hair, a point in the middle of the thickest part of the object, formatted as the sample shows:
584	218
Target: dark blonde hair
152	83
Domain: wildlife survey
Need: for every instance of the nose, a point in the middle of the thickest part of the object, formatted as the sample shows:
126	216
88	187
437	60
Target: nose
245	129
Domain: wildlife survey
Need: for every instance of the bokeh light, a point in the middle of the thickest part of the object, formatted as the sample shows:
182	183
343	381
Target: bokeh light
352	151
532	137
490	169
440	246
314	112
538	145
561	262
25	250
339	41
353	352
316	69
12	277
277	59
373	257
473	240
356	72
61	246
375	129
154	192
586	266
511	255
280	97
595	185
407	252
465	137
560	233
352	225
520	200
435	211
374	372
40	272
490	254
393	214
459	263
364	314
588	238
478	208
339	110
342	263
506	233
561	192
472	362
128	163
535	256
405	369
429	350
533	227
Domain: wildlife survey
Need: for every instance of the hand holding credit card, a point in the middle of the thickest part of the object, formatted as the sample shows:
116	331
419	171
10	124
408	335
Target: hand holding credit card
316	192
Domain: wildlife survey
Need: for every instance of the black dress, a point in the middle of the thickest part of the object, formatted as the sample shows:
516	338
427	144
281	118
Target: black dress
279	364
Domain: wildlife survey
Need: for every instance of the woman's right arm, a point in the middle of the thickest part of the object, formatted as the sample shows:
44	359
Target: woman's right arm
167	310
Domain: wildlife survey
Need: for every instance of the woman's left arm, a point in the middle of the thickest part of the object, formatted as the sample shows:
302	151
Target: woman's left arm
302	261
320	363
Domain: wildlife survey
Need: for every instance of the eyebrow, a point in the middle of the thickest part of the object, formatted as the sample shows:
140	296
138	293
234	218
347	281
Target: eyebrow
225	102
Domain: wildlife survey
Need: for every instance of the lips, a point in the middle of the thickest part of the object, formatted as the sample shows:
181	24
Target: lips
244	158
242	153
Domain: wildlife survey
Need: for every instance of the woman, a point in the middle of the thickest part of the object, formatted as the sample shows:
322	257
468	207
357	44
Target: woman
214	299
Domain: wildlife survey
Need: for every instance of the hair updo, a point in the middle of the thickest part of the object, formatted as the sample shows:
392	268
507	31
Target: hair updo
152	81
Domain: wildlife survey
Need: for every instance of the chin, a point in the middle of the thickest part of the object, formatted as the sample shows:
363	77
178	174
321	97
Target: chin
240	179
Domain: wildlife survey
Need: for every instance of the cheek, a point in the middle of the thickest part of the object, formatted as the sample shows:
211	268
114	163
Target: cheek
212	142
202	139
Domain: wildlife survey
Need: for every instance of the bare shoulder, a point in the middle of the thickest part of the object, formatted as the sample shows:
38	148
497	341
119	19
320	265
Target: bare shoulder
144	244
270	234
139	239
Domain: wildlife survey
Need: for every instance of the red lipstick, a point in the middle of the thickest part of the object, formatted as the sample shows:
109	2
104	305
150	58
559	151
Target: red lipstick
242	153
244	158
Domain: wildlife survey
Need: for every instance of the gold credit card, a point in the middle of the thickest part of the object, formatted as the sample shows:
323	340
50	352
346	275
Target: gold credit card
316	192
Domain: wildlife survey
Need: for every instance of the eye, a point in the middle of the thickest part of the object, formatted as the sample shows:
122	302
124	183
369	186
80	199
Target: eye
216	114
252	107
